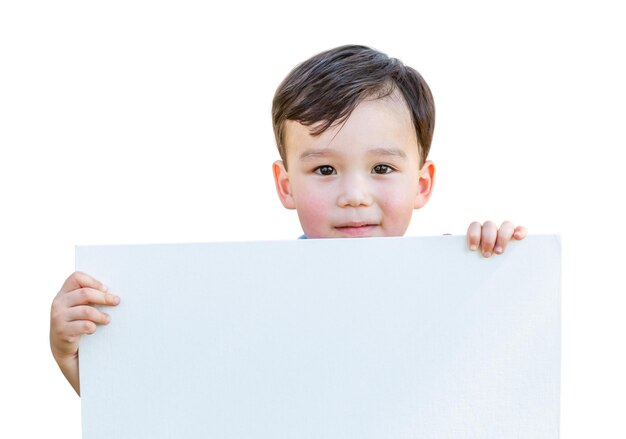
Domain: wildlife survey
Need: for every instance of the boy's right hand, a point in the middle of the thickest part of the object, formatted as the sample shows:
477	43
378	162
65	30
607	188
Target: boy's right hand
73	314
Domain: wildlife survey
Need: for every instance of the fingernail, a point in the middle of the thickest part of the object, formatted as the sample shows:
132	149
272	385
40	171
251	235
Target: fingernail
108	319
473	247
105	288
486	254
498	250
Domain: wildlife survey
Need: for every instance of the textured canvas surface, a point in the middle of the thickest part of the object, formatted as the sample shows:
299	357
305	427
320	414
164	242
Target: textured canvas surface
341	338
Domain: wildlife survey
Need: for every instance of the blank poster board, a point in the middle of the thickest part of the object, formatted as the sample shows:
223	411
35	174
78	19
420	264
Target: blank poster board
325	339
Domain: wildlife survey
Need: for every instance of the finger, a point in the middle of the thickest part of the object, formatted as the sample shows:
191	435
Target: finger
473	235
504	236
78	328
488	237
520	232
90	313
78	280
89	296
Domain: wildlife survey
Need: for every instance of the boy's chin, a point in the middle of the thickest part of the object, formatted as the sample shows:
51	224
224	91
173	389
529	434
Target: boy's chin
364	231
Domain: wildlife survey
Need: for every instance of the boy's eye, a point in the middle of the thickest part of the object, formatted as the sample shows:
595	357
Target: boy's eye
325	170
382	169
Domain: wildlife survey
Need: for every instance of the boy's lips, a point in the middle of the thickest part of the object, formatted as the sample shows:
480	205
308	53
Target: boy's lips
357	228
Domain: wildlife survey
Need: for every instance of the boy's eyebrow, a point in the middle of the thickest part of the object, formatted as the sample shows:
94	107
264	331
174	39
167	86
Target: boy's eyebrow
324	152
388	151
312	153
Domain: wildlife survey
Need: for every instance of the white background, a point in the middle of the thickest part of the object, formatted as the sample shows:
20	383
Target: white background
143	122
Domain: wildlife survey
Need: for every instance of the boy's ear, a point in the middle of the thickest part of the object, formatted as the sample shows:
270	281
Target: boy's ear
425	184
283	187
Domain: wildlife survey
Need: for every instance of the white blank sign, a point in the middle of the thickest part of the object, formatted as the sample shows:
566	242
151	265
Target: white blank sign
380	338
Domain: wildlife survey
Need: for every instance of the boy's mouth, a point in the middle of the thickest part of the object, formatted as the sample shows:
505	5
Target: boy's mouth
355	228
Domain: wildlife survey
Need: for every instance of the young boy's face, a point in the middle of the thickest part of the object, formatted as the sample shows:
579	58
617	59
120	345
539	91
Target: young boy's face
359	179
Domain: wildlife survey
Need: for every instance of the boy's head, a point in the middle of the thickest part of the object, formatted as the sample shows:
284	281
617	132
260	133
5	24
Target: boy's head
353	129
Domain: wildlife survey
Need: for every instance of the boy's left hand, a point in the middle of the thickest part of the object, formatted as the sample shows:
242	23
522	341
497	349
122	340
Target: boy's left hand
490	239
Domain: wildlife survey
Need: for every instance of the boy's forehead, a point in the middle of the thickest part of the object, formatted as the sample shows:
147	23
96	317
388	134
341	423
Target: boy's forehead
384	122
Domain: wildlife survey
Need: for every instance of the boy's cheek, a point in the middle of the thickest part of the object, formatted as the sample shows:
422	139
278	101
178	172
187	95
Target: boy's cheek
397	202
398	209
313	215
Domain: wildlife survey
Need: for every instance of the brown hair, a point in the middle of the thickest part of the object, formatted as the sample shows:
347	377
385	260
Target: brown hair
327	88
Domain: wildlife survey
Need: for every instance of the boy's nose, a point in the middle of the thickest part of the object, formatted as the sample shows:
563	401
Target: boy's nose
354	193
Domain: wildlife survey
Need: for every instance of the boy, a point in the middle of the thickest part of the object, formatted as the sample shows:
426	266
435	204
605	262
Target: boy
353	128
